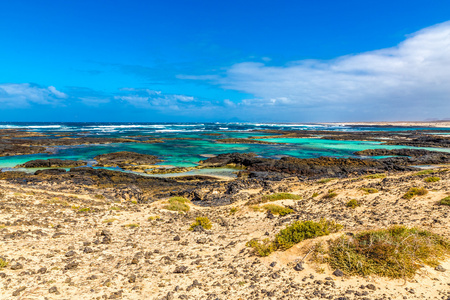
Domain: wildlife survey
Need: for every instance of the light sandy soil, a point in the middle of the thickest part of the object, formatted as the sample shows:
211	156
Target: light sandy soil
56	251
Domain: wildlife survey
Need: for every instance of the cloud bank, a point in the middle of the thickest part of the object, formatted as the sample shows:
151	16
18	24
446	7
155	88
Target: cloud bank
409	81
25	94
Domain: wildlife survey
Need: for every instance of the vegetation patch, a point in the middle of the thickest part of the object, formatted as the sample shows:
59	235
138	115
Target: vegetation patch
109	220
370	190
432	179
375	176
132	225
234	210
85	209
278	209
325	180
397	252
178	204
280	196
353	203
445	201
201	221
330	195
294	234
315	195
414	191
99	196
3	263
152	218
262	248
424	172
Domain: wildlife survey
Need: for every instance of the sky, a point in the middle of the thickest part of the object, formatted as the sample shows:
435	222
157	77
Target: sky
224	61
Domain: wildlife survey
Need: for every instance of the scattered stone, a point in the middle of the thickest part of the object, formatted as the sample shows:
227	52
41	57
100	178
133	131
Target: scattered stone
338	273
17	266
53	289
18	291
440	268
299	267
181	270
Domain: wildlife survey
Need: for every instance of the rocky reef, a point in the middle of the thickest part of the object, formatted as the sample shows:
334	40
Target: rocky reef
52	163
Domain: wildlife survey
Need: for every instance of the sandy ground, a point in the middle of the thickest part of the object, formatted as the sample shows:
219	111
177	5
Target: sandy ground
79	246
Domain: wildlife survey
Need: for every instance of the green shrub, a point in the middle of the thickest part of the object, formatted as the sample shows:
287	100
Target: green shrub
299	231
86	209
424	172
262	248
315	195
234	210
3	263
370	190
432	179
293	234
330	195
132	225
445	201
178	204
98	196
201	221
280	196
397	252
375	176
278	209
353	203
325	180
412	192
152	218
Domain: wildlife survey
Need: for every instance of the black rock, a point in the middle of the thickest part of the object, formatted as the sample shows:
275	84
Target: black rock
299	267
338	273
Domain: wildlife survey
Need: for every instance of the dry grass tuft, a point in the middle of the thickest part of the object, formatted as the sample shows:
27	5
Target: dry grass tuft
397	252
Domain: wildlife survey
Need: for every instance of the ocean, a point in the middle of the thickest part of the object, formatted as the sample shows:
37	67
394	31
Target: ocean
185	144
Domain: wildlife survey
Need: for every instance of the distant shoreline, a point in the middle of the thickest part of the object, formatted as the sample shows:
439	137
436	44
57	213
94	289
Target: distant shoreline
396	123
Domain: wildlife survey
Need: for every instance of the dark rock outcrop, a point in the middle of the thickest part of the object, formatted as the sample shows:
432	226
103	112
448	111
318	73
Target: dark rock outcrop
125	158
52	163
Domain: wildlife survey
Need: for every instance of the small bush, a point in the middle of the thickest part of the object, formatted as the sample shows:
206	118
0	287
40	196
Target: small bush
432	179
132	225
397	252
114	208
424	172
280	196
98	196
375	176
353	203
234	210
201	221
370	190
109	220
445	201
315	195
294	234
278	209
3	263
299	231
262	248
86	209
178	204
151	218
412	192
330	195
325	180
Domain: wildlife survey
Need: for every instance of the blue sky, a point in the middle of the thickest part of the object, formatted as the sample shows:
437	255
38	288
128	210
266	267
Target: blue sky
296	61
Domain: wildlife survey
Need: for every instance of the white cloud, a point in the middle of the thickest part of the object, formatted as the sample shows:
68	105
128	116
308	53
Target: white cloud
409	81
25	94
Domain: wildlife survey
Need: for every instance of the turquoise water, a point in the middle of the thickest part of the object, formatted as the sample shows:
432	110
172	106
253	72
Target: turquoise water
188	153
